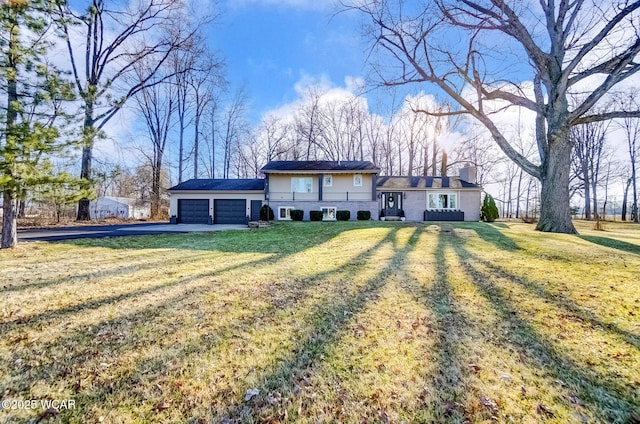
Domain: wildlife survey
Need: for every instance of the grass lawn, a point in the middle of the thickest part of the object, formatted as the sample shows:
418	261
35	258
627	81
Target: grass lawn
328	322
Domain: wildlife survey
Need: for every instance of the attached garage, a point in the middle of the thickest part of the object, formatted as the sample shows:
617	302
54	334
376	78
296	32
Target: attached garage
216	201
193	211
230	211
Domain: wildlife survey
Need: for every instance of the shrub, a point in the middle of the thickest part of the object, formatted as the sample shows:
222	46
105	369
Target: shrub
296	214
489	210
315	215
363	215
381	213
343	215
264	210
401	212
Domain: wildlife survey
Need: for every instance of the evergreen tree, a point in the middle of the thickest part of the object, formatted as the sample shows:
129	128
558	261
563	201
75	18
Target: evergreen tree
489	210
34	97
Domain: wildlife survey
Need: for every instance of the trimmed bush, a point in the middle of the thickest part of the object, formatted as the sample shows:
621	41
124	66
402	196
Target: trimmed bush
381	213
315	215
343	215
401	213
264	210
489	210
363	215
297	214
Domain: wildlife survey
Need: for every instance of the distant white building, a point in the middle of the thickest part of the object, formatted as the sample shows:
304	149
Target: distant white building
118	207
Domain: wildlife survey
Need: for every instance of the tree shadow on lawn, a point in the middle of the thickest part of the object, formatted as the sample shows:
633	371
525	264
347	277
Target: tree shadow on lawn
450	391
489	233
324	324
561	302
613	243
50	314
115	270
281	239
601	396
82	341
295	240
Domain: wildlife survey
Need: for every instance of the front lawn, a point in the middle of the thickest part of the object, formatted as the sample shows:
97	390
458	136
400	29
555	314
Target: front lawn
327	322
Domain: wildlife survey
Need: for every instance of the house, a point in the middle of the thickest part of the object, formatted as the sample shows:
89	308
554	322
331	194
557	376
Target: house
431	198
327	186
118	207
216	201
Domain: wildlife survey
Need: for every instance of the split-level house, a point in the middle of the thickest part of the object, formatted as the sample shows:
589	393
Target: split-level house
327	186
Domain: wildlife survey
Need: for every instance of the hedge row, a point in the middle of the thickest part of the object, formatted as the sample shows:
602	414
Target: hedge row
298	215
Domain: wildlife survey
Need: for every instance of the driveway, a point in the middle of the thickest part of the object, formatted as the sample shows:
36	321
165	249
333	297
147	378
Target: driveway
98	231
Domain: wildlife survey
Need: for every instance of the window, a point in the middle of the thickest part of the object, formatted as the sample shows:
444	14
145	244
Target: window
327	180
357	180
443	201
329	213
284	213
301	185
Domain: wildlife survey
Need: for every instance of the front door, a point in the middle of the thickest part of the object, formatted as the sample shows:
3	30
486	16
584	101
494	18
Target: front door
392	203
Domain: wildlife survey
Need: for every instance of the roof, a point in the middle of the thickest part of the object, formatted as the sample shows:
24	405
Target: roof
290	166
423	183
220	184
123	200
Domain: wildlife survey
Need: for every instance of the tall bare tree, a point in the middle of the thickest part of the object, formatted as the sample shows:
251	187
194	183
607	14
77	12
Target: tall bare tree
157	105
588	141
631	129
233	127
572	52
115	37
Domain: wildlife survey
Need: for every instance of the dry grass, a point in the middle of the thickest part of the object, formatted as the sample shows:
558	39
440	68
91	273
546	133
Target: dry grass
331	322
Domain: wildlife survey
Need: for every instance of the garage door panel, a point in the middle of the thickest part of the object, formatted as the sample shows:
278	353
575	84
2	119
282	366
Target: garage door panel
193	211
230	211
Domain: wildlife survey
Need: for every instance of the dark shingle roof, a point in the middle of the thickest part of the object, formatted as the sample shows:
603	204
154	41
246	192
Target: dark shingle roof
319	165
220	184
421	183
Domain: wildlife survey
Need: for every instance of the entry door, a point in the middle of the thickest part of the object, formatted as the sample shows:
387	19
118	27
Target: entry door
255	209
392	203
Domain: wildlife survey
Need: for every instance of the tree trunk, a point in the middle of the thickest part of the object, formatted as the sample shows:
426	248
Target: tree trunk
594	197
587	191
519	194
9	237
555	212
635	193
9	223
196	142
87	154
624	200
180	150
156	174
22	209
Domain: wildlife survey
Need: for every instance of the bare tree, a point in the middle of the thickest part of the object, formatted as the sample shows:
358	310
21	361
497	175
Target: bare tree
117	37
307	125
589	141
233	127
572	48
631	127
156	103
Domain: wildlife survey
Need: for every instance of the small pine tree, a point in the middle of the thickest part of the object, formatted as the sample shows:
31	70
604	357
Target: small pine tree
266	213
489	210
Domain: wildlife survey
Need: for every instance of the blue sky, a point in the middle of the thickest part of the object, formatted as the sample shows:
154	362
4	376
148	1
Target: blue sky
270	48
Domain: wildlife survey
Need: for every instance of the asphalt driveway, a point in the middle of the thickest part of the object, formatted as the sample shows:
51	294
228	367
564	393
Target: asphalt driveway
98	231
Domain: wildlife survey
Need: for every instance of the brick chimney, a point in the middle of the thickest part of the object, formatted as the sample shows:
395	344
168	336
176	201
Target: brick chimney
469	174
